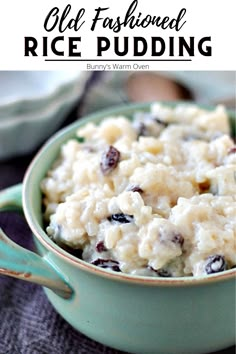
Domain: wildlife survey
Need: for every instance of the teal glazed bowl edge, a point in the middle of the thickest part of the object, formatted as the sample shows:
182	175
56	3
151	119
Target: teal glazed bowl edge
134	314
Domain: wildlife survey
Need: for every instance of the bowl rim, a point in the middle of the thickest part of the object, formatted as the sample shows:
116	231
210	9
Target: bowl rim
43	238
51	93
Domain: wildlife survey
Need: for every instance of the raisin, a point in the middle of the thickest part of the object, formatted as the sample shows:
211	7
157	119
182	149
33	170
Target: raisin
107	263
110	159
121	218
204	187
232	150
135	189
141	129
159	121
215	264
163	273
100	247
178	239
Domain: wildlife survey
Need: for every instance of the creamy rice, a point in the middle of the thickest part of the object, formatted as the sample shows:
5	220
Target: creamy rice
154	196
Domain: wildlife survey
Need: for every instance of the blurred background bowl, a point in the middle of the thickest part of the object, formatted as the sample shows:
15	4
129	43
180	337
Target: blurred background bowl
33	105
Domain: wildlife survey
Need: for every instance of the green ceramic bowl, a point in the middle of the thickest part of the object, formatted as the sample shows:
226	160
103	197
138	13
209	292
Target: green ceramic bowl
135	314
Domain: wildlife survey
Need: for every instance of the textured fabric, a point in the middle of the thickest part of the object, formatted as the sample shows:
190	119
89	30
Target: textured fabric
28	322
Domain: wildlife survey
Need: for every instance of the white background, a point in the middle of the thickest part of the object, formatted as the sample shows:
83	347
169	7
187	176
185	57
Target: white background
19	19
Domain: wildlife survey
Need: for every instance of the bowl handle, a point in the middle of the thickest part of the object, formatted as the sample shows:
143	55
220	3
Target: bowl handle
20	263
